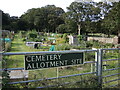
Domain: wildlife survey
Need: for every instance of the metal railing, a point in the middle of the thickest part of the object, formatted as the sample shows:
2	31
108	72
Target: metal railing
98	64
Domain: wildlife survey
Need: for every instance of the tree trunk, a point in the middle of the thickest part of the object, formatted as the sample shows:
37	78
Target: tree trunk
79	28
109	34
118	37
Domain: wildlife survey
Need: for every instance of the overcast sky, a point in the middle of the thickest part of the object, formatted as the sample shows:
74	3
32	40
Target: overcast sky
19	7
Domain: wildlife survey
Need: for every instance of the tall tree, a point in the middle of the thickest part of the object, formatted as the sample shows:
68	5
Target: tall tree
29	17
5	21
111	21
46	18
83	11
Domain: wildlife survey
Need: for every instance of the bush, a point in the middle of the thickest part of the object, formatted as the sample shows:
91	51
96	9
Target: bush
63	47
109	45
24	39
65	36
78	47
60	41
23	34
7	46
83	83
32	35
79	37
89	44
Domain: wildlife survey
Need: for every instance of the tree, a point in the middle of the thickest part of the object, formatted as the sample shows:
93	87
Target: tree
54	18
45	19
29	18
22	25
5	21
111	21
83	11
13	23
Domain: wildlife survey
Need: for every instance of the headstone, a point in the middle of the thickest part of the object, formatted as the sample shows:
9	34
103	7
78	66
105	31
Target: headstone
115	40
33	44
18	74
73	40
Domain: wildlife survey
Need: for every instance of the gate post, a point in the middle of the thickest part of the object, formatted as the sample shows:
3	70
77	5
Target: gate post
99	67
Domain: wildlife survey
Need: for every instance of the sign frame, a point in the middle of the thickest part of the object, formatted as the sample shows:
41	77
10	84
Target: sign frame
83	59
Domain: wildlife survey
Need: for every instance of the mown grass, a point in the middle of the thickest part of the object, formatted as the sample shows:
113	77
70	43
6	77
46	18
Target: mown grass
16	61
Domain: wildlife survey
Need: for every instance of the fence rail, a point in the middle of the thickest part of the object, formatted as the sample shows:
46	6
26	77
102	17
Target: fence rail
44	52
52	78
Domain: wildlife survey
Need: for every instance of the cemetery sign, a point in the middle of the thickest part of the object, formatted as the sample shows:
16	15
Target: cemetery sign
53	60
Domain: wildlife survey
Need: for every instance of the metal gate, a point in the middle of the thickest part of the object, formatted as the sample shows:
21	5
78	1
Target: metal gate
105	70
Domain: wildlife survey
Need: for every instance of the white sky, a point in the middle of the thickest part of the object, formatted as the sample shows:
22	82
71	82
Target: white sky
19	7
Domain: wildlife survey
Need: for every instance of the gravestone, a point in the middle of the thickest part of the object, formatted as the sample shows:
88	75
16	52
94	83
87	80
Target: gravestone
18	74
115	40
33	44
73	40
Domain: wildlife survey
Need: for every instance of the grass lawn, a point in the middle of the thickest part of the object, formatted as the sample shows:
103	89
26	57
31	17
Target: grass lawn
18	45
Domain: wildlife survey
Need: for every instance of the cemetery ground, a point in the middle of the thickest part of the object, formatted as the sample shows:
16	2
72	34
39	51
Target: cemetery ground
17	61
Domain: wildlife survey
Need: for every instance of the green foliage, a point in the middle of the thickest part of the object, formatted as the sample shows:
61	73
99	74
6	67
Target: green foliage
65	36
7	46
87	82
78	47
5	21
89	44
61	28
60	41
109	45
112	20
23	34
62	47
5	79
83	13
5	75
53	19
24	39
80	37
45	19
32	35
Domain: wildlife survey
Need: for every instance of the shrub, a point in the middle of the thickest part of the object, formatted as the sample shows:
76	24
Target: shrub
65	36
24	39
89	44
60	41
109	45
32	35
79	37
23	34
63	47
83	83
7	46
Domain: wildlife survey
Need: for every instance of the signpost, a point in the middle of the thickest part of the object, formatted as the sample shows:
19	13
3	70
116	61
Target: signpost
53	60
